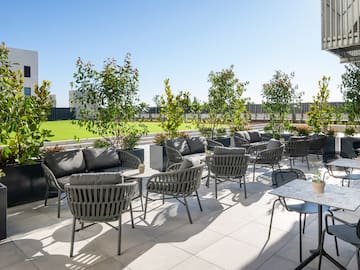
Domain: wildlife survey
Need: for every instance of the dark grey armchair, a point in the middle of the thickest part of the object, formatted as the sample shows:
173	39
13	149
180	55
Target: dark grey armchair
181	181
98	197
228	164
271	156
297	148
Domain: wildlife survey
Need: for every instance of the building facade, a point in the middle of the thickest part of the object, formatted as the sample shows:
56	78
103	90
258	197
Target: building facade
340	29
27	62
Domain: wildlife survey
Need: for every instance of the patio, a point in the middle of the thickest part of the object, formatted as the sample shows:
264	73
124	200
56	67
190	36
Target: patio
230	233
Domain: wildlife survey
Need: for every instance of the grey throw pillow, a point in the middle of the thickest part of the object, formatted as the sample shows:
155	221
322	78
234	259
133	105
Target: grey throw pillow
189	162
95	179
273	144
220	150
196	144
65	163
179	144
101	158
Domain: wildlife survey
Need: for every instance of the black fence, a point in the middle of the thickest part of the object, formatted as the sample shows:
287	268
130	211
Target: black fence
61	114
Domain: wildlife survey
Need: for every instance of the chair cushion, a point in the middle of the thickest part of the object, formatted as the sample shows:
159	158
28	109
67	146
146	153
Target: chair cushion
189	162
101	158
179	144
346	233
63	180
95	179
254	136
65	163
220	150
243	134
196	144
273	144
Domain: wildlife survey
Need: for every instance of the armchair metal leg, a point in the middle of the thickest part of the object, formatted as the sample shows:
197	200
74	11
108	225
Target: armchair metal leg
72	237
243	177
307	162
300	238
254	173
132	216
46	193
198	199
59	202
187	209
119	235
146	203
216	188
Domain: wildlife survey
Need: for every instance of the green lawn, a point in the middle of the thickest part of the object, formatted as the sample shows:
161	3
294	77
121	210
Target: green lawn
65	130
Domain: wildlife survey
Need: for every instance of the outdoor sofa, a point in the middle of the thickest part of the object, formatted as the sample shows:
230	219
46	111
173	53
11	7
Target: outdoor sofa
59	166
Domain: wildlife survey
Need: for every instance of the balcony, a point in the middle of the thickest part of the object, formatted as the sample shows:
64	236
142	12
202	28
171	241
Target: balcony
340	29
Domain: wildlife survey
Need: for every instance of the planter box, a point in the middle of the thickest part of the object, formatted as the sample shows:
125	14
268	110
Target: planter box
3	211
348	146
226	141
25	183
329	149
139	152
158	157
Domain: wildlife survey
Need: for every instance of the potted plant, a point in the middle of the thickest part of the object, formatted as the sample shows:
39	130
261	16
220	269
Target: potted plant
22	136
318	183
131	137
141	168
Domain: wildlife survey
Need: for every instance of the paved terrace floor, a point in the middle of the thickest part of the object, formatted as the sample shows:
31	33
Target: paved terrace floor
230	233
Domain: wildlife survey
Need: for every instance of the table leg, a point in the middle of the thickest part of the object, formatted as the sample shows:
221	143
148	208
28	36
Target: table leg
316	252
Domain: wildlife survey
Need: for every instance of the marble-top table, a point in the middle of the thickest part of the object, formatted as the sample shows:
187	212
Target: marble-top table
334	196
345	163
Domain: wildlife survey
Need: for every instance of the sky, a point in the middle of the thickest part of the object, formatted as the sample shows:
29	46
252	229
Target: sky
183	40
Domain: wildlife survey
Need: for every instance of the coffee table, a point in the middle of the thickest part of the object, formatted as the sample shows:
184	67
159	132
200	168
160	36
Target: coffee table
135	174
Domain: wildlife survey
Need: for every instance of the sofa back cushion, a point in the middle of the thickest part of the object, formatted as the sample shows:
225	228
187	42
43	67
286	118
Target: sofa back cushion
243	134
254	135
220	150
101	158
180	144
96	178
196	144
273	144
65	163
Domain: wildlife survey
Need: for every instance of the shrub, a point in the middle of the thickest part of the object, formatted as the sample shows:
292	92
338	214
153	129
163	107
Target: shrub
160	139
101	143
349	130
302	130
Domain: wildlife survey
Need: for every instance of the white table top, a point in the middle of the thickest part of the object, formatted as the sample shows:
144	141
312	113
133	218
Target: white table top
345	163
335	196
135	173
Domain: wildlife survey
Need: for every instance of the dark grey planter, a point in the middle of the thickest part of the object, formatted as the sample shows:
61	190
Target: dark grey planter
3	211
349	144
25	183
157	157
329	149
139	152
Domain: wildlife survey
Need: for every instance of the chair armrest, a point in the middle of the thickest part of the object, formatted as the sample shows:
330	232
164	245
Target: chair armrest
173	167
50	177
173	155
128	160
351	225
241	142
213	143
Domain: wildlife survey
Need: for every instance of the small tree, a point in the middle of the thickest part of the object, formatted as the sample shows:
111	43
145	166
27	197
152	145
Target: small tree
351	92
225	102
172	110
278	95
21	115
321	112
108	99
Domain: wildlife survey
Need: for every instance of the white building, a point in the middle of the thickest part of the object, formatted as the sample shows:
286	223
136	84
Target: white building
27	62
340	29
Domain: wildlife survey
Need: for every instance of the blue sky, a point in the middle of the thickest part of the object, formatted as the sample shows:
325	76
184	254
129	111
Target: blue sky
182	40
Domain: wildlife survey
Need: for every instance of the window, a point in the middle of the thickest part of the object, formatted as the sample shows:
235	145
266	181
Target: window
27	91
27	71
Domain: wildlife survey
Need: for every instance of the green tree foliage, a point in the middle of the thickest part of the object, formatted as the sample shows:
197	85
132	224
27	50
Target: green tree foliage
172	110
278	95
225	102
321	112
351	92
21	115
108	99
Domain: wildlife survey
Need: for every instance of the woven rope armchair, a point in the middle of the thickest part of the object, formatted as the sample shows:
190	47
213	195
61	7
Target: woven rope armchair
269	157
180	183
296	148
99	203
229	168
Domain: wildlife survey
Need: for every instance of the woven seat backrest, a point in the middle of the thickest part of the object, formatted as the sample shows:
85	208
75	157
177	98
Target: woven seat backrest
99	202
281	177
298	147
230	165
